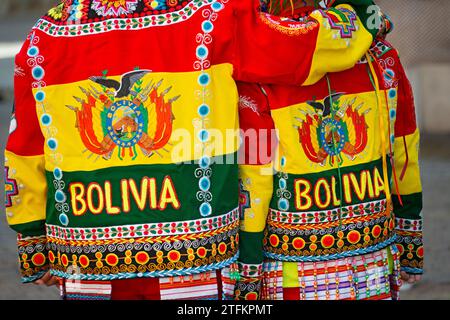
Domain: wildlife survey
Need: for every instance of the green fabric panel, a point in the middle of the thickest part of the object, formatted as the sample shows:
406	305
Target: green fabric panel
362	8
30	229
328	175
224	189
412	206
251	247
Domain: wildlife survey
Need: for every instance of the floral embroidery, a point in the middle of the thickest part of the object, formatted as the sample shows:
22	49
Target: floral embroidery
312	217
152	229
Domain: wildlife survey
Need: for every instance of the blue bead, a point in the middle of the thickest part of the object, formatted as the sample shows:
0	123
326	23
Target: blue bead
46	120
52	143
202	52
38	73
204	162
392	93
40	96
392	113
57	173
283	204
33	51
207	26
217	6
204	79
203	110
282	184
205	209
203	135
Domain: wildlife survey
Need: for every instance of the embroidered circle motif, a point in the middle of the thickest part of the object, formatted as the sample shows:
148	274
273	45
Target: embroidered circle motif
283	204
52	143
205	209
203	135
57	173
204	162
202	52
60	196
204	79
40	96
38	73
204	184
64	219
203	110
46	119
33	51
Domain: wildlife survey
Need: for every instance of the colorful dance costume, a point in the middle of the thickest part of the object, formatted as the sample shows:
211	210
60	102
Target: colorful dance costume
111	173
332	200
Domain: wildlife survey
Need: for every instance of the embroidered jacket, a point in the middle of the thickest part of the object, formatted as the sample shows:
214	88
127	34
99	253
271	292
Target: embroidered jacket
333	186
111	171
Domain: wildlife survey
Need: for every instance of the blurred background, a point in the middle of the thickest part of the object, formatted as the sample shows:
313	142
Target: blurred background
422	36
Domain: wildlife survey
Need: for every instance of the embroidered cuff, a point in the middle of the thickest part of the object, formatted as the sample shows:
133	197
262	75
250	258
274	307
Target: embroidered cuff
32	257
410	245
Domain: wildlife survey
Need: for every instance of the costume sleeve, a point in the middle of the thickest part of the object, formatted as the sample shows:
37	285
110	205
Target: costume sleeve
25	182
406	160
274	50
256	183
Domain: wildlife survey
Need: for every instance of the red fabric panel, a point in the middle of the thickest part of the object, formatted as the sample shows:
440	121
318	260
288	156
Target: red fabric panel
267	55
355	80
406	122
292	294
136	289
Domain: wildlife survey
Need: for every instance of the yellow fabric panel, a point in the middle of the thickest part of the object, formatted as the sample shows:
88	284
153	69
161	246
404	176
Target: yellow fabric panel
30	203
411	182
288	120
290	275
258	181
343	54
184	145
